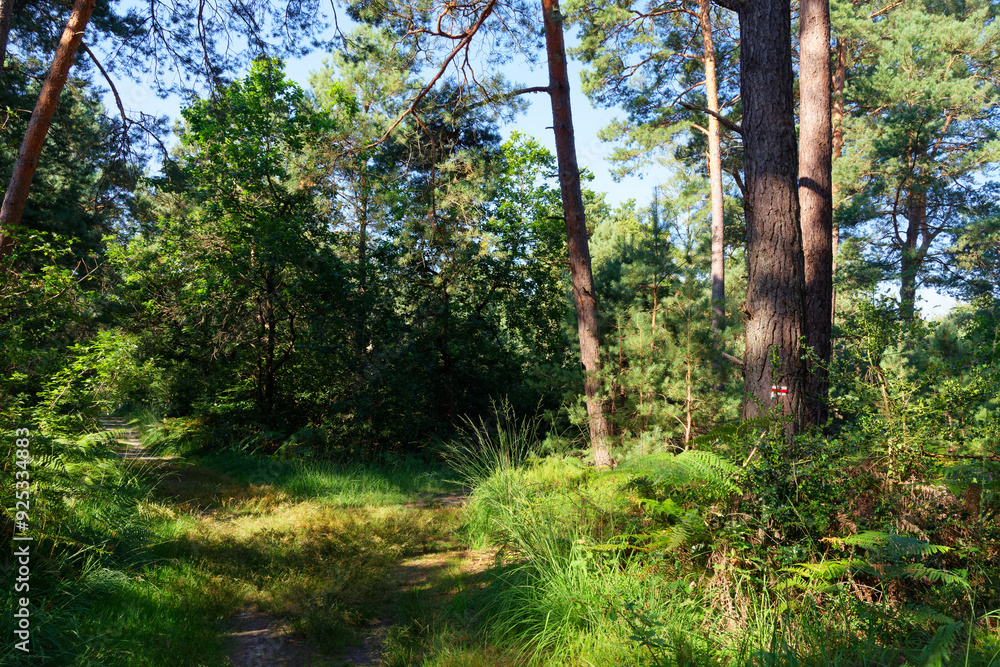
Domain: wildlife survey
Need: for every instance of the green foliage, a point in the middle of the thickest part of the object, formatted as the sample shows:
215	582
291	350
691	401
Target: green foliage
662	360
910	390
481	451
293	286
646	61
304	288
889	557
87	523
919	133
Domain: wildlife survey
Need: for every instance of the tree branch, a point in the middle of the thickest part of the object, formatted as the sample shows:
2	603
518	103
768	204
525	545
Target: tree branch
722	119
111	84
977	457
732	5
735	360
525	91
444	66
886	9
739	181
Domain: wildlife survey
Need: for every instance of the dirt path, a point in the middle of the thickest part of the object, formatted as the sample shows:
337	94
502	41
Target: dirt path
432	579
260	640
127	441
255	639
421	583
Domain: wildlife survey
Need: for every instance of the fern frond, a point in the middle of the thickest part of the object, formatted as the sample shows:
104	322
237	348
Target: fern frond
669	539
107	438
941	645
694	466
827	570
731	434
925	616
920	571
679	534
888	545
665	507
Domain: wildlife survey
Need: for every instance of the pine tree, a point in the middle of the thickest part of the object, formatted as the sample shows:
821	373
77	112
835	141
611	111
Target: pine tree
652	266
774	308
647	58
921	101
816	197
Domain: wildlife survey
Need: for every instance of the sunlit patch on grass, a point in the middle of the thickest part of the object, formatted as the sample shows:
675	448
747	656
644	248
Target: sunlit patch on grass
329	571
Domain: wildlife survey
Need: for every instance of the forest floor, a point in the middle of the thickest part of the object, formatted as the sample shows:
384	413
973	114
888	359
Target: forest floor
306	566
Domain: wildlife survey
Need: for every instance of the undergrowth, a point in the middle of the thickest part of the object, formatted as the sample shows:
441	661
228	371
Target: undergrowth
146	563
680	559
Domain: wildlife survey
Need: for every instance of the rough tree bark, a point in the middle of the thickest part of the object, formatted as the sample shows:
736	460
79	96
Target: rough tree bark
714	175
837	149
41	118
815	197
913	250
6	12
576	232
775	281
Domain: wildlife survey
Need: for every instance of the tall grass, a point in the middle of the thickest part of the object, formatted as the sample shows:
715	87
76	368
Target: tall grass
480	451
574	584
558	593
87	526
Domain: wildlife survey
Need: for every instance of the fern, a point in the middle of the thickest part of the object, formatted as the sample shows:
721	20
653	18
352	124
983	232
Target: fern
106	437
680	533
941	645
887	545
827	570
920	571
887	550
818	576
689	468
665	508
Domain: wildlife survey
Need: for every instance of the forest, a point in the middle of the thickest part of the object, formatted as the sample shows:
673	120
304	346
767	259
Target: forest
368	370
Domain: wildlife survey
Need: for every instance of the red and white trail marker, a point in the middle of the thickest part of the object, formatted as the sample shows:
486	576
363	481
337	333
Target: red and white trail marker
778	391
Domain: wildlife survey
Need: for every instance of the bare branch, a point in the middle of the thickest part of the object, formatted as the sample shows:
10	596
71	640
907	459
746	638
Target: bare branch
735	360
111	84
977	457
469	34
525	91
885	9
739	181
732	5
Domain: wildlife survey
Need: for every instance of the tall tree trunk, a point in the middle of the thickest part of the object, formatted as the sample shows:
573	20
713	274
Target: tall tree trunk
837	149
815	197
361	323
270	342
916	220
714	177
576	232
447	360
6	12
16	197
775	281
